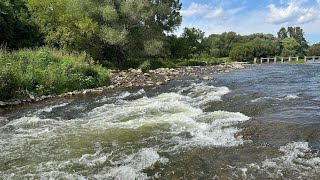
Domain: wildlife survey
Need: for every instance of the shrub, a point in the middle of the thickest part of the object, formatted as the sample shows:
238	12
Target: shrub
46	71
108	64
145	66
132	63
191	63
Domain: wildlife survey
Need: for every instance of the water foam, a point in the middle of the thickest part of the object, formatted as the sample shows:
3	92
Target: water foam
121	96
180	112
287	97
131	167
298	160
203	93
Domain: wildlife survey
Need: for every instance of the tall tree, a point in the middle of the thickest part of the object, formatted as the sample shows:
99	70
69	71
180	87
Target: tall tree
108	29
296	33
192	38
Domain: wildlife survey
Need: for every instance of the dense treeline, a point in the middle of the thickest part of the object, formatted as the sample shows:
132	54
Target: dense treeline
290	42
116	31
115	34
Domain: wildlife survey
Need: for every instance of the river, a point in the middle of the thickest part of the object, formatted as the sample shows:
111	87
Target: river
262	122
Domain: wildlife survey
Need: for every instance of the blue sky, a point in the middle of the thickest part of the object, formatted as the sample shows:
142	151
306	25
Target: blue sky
252	16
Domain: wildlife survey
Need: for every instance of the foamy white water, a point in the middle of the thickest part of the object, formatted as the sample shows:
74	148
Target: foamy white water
297	159
126	132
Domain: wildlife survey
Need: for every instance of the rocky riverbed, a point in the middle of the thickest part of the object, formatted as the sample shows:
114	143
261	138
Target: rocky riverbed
134	78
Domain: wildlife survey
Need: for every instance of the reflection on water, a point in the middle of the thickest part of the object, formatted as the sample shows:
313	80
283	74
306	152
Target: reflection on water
261	122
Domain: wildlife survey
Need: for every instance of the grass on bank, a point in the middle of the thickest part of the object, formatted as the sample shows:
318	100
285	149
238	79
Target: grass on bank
300	61
45	71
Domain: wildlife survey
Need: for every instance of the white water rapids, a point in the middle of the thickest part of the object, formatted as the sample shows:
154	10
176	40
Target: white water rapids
116	140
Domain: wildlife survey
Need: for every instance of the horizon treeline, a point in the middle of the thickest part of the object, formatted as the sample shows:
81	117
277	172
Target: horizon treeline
115	31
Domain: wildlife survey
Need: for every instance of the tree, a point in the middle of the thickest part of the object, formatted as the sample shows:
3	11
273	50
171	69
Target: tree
112	29
221	45
191	42
282	33
17	30
290	47
192	38
314	50
242	52
296	33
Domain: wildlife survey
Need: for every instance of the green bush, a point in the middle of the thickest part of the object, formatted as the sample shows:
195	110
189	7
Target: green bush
132	63
188	62
47	71
108	65
145	66
155	64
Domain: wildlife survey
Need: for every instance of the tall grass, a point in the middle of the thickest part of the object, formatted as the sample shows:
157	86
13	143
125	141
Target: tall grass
45	71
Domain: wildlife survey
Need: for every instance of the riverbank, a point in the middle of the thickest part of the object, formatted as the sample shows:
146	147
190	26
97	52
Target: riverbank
134	78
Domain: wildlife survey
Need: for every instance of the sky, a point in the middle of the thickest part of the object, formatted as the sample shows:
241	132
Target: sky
252	16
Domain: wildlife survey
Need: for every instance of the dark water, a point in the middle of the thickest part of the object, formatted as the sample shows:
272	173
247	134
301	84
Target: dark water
258	123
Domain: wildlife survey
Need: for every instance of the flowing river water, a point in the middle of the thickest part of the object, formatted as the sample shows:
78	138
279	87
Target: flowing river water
262	122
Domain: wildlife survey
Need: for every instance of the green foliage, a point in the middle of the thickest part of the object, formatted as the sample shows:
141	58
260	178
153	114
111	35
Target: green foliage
145	66
242	52
47	71
155	64
132	63
314	50
116	29
290	47
300	61
202	59
298	35
190	43
188	62
17	29
108	64
221	45
257	45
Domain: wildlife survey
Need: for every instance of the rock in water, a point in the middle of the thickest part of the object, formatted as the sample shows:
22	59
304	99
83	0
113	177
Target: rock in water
206	78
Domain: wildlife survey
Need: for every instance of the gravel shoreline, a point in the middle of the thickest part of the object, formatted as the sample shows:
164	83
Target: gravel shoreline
134	78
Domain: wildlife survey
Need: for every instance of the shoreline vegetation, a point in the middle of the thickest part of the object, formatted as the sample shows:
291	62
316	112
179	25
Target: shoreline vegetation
99	80
44	71
51	47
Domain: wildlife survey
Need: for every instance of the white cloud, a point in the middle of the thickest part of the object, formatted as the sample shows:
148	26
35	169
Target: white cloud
208	11
293	13
218	19
204	10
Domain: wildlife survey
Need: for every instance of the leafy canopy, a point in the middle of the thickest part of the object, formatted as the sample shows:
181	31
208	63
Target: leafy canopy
120	29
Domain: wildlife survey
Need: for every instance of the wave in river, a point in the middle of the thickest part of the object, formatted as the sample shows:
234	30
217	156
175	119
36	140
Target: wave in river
288	97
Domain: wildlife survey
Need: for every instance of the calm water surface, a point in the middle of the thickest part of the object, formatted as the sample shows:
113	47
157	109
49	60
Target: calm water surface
258	123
